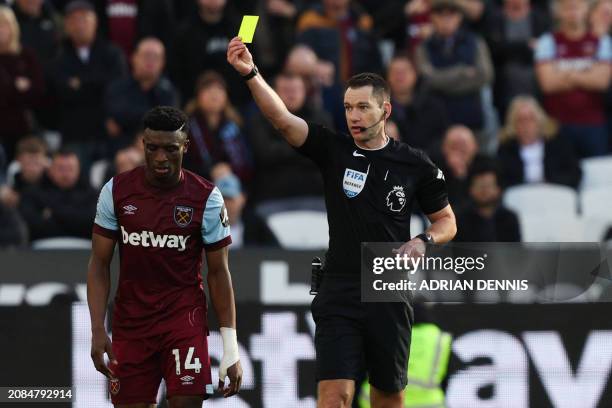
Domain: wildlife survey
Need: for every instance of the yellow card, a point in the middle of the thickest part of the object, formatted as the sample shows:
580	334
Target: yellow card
247	28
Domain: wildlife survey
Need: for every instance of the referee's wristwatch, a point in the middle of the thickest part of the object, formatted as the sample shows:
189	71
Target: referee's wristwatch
425	237
254	71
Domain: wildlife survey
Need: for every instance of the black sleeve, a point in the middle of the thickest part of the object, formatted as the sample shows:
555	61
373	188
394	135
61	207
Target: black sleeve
318	144
431	189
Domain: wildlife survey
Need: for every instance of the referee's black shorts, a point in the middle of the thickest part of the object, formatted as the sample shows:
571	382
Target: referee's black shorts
354	338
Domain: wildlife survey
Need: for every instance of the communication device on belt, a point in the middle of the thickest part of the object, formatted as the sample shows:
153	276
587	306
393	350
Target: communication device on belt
315	278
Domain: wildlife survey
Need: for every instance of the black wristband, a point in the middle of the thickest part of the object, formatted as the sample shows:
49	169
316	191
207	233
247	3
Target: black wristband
425	237
251	74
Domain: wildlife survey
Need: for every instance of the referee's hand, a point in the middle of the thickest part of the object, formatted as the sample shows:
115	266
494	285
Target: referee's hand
413	248
239	57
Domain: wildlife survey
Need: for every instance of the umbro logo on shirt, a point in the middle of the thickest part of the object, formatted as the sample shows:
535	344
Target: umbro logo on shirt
187	380
129	209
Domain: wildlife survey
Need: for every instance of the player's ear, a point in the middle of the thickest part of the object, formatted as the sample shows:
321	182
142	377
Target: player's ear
186	146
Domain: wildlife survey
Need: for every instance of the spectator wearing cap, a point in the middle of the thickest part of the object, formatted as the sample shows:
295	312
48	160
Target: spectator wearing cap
278	167
512	31
215	130
420	116
486	219
200	44
128	99
573	71
84	68
456	65
246	229
531	152
341	32
21	83
63	204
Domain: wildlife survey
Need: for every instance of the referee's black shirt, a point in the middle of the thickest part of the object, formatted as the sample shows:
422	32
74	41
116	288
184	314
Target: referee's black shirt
369	194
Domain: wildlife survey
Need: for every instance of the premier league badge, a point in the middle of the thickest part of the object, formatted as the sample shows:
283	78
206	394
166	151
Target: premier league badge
183	215
396	199
223	217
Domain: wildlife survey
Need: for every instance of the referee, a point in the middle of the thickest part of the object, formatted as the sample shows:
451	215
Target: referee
370	184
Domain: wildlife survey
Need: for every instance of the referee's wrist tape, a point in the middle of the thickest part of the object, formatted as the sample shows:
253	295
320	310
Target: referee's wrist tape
230	350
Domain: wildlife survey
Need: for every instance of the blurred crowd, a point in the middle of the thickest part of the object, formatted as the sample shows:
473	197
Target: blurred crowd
497	92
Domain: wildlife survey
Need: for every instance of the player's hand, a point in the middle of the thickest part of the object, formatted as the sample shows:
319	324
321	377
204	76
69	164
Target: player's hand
413	248
234	372
101	344
239	57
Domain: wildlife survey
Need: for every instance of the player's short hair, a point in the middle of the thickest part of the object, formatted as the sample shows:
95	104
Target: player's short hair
166	119
380	88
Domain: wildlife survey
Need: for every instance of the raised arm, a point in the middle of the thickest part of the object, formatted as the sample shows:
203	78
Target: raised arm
293	128
98	288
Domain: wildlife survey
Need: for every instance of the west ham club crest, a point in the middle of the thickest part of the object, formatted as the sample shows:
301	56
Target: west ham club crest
183	215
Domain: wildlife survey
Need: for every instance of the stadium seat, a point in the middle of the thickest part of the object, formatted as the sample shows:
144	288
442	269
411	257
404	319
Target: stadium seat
595	204
551	227
300	229
596	172
540	199
596	228
97	173
61	243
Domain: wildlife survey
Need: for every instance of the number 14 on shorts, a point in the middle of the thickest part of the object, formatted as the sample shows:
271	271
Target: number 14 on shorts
190	362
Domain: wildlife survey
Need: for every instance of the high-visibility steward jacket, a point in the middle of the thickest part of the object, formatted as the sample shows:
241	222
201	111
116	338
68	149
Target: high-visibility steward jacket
430	350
